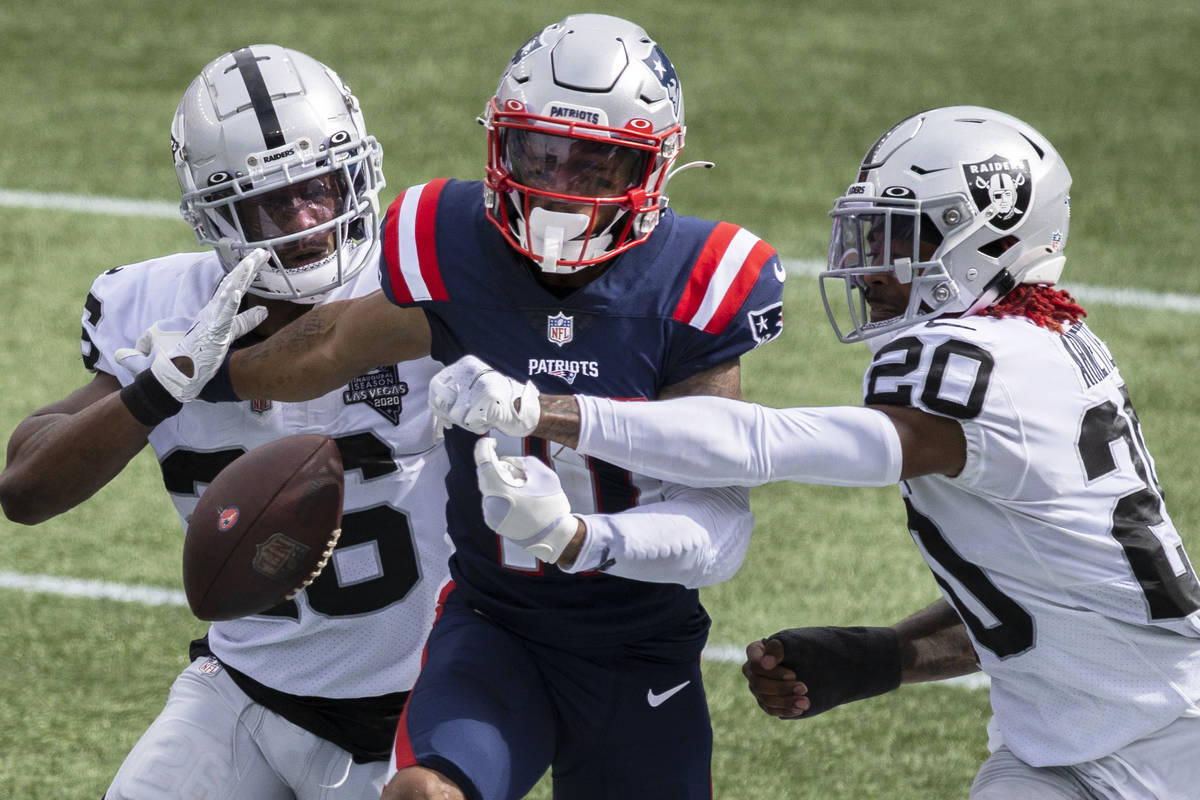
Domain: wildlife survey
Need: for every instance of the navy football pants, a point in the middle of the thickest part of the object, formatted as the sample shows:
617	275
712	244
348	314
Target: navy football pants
492	711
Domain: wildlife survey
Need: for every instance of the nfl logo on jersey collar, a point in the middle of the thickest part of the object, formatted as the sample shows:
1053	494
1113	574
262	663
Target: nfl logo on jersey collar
560	328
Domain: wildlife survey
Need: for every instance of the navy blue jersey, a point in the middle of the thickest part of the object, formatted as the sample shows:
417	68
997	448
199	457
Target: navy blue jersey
694	295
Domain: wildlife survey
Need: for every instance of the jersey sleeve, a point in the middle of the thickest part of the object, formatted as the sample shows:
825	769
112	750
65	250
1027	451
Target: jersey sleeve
732	301
111	320
124	301
409	272
950	370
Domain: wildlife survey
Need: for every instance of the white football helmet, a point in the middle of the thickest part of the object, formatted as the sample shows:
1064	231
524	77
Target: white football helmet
271	151
972	200
583	128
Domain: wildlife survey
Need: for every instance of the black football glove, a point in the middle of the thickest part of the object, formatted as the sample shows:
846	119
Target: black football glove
840	665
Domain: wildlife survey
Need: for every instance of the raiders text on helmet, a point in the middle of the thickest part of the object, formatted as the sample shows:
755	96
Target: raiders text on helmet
271	151
976	202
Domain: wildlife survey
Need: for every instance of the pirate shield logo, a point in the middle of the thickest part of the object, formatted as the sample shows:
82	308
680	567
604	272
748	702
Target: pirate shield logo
1001	188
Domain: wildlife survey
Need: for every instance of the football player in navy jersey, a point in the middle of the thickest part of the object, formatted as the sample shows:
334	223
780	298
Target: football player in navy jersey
302	701
1028	486
563	267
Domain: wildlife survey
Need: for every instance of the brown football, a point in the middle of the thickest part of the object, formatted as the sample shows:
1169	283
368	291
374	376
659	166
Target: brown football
264	528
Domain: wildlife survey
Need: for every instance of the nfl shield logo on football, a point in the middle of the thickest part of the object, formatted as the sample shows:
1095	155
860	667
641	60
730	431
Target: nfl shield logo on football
560	328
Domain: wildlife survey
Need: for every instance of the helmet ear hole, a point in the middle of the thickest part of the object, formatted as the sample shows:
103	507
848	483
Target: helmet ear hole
929	231
997	247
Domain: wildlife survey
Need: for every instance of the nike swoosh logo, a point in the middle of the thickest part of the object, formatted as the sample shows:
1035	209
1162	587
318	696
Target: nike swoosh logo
656	700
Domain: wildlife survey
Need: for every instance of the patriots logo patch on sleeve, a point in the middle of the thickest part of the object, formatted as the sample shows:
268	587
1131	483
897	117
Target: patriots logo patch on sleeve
766	323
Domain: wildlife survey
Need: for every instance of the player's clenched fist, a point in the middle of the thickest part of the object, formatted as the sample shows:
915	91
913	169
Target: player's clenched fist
523	501
471	394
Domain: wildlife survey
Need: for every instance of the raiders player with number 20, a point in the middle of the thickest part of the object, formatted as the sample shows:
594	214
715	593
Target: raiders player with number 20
300	702
1021	462
564	267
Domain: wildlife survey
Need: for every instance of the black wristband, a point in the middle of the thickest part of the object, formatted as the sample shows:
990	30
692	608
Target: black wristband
148	401
219	388
840	665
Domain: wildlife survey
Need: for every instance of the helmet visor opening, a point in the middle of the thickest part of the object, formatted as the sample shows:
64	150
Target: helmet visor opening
572	167
310	204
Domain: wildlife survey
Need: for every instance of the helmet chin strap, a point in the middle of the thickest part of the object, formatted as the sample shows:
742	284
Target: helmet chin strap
552	231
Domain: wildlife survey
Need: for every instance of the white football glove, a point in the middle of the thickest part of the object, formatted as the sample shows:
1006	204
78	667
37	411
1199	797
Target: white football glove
523	501
207	341
473	395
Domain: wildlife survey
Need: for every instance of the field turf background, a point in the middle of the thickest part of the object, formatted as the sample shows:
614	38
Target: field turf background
785	97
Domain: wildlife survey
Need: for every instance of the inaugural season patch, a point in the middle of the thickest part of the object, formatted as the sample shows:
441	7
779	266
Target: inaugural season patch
381	389
1001	187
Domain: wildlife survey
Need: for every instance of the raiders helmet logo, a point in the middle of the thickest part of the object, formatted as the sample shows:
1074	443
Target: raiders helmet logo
1001	188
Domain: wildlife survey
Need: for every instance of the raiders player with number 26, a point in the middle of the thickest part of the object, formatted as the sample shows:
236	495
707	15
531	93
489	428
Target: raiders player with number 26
302	701
1028	486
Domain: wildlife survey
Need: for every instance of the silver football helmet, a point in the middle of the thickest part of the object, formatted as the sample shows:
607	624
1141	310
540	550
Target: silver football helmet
583	128
271	151
962	203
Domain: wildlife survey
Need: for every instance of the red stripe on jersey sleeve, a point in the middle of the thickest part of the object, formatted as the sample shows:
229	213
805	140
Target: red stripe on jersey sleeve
741	287
426	233
391	253
703	269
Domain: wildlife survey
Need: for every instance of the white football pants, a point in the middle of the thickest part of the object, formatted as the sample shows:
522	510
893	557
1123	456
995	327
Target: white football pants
212	742
1161	766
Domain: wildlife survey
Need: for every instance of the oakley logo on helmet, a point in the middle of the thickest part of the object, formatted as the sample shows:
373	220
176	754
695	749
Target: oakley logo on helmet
1002	188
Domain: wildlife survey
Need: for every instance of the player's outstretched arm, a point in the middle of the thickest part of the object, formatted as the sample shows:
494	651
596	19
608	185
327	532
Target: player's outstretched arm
62	454
803	672
711	438
328	346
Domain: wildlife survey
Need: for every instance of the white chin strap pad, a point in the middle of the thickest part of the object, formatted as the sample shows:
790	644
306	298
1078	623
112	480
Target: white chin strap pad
554	235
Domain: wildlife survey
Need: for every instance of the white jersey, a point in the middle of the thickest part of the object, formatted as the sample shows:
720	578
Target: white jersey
358	630
1053	543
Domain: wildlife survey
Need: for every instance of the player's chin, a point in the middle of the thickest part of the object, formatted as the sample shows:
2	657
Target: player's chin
881	313
304	255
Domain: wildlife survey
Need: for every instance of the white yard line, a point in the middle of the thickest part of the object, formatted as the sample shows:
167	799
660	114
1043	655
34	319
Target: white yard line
92	590
155	596
89	204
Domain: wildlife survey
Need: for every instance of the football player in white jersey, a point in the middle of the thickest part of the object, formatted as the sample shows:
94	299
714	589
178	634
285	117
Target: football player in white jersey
275	165
1029	488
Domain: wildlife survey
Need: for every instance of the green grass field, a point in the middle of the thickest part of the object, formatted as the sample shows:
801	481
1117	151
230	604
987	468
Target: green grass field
785	97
